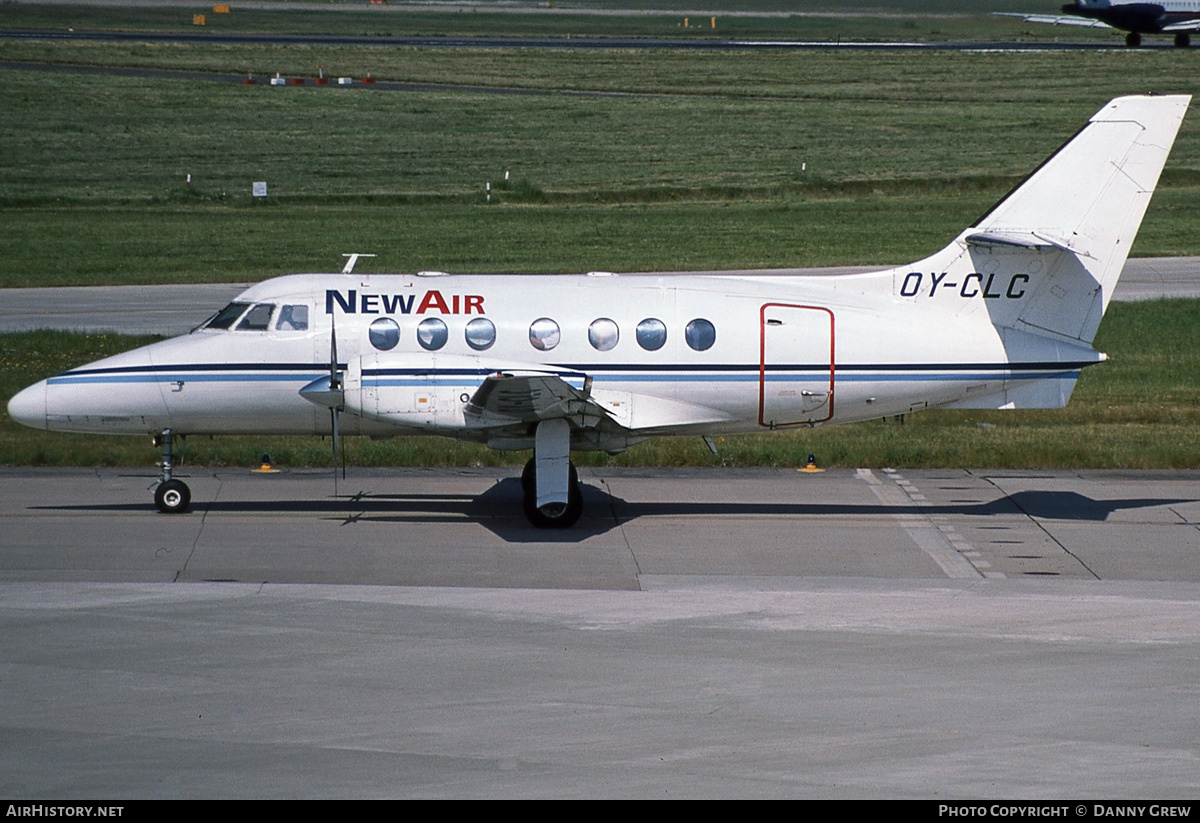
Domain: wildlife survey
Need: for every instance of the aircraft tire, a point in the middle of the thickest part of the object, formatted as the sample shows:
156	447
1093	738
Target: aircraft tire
172	497
1133	39
529	477
1182	40
555	516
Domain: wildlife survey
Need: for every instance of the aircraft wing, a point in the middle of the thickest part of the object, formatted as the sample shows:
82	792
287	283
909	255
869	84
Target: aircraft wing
529	397
508	397
1183	25
1056	19
473	393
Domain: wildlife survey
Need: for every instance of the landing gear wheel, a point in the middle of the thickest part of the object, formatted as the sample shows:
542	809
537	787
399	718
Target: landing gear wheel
172	497
556	515
1133	40
529	477
1182	40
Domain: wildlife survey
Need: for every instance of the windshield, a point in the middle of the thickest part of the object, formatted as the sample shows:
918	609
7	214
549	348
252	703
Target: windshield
258	318
226	316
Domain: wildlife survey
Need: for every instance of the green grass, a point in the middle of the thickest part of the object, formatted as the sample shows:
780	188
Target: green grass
1141	409
202	245
87	145
689	160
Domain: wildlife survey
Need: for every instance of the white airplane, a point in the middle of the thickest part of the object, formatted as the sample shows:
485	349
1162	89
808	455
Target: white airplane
1178	17
1002	318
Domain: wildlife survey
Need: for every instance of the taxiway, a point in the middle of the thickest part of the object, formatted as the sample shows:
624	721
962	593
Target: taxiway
704	633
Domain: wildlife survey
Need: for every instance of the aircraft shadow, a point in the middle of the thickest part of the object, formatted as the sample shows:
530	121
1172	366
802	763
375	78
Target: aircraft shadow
499	509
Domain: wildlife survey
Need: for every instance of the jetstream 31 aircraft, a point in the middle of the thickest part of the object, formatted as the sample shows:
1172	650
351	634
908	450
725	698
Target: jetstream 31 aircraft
1178	17
1002	318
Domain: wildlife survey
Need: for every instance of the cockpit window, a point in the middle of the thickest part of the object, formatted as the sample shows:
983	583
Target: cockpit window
258	318
292	318
225	317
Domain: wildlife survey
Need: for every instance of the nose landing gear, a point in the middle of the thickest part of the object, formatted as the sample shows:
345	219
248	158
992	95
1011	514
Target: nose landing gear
171	496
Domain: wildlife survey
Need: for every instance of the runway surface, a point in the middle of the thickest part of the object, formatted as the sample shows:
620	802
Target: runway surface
703	633
178	309
564	42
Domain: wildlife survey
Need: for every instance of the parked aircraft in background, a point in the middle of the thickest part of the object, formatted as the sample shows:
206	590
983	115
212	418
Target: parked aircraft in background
1178	17
1002	318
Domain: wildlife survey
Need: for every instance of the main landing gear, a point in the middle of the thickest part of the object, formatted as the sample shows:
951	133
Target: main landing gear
172	496
550	482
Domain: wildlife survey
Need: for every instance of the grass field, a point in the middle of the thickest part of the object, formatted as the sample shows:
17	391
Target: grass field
815	158
621	160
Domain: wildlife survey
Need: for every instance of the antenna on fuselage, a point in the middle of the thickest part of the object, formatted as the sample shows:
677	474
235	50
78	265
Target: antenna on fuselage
353	258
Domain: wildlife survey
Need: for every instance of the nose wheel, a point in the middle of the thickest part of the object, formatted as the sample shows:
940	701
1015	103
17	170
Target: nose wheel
171	496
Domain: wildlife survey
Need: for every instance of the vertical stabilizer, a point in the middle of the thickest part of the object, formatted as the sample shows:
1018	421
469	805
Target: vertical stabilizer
1068	228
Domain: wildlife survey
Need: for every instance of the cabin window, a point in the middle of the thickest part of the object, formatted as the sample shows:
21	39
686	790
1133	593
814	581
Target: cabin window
258	318
481	334
544	334
384	334
651	334
603	334
292	318
226	316
432	334
700	334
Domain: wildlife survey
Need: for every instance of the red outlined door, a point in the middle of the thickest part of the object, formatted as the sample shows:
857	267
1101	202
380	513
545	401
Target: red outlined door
796	365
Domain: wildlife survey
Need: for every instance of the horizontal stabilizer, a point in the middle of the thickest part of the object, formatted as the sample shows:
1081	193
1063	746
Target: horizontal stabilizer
1023	240
1055	19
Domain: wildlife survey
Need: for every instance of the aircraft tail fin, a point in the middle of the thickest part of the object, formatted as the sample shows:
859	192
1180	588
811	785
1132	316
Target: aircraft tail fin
1065	232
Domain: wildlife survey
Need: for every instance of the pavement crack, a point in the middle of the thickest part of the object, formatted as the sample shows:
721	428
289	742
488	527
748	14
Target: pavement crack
1017	504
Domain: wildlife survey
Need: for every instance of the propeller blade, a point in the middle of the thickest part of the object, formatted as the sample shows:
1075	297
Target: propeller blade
335	390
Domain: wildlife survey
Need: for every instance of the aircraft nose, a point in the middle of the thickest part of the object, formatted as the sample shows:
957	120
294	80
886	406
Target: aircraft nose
28	406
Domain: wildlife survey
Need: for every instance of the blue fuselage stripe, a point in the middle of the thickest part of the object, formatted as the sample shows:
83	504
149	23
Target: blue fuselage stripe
184	377
625	373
